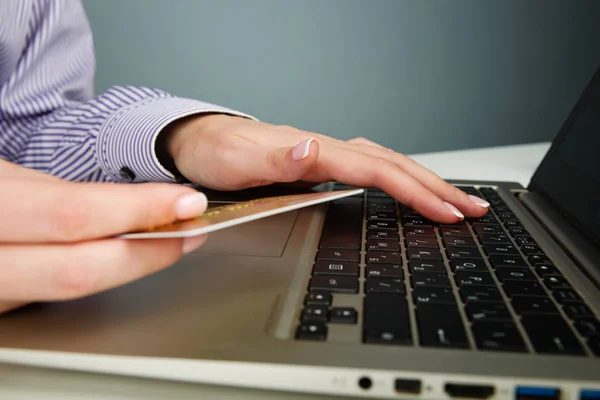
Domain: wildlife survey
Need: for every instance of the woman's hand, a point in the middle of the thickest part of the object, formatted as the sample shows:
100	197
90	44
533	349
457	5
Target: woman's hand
56	237
226	153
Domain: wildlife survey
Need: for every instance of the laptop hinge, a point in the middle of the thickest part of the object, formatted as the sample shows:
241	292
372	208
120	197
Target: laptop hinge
577	246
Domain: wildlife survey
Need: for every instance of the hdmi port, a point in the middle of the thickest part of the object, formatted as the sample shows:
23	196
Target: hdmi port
469	391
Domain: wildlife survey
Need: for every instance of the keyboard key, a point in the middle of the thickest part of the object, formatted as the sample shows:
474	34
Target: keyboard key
314	313
495	239
418	241
311	331
498	336
335	268
423	253
338	255
480	278
507	216
384	285
385	225
342	315
343	224
524	239
476	293
525	288
549	334
556	282
496	203
455	231
546	269
538	259
463	252
384	271
433	295
386	319
430	279
514	273
381	216
338	284
512	223
577	310
375	193
467	264
382	234
453	225
500	260
530	249
426	265
488	228
533	305
408	211
383	244
376	205
492	248
468	190
457	241
501	209
487	219
563	296
517	231
384	257
588	326
441	326
410	231
416	221
487	312
316	298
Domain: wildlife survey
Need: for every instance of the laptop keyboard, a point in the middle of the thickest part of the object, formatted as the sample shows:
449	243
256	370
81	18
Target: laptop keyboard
483	283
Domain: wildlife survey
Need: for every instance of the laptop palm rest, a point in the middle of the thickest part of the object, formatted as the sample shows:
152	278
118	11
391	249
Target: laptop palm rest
265	237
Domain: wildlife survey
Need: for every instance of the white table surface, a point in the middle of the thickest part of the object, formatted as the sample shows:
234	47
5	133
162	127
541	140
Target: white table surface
507	163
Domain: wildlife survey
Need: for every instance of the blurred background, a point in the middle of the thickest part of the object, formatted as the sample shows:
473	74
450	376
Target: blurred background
417	76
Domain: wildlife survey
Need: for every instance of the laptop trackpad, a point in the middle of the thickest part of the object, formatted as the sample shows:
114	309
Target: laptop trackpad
265	237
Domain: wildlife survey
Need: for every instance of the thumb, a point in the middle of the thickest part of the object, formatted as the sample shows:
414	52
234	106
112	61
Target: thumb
291	164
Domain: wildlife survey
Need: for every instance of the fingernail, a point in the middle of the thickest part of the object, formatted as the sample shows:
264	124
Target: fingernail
479	201
192	243
454	210
301	150
190	205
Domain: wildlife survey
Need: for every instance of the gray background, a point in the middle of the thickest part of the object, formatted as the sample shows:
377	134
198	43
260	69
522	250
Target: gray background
413	75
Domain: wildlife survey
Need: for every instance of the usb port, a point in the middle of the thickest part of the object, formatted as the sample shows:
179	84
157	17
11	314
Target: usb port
589	394
537	393
407	385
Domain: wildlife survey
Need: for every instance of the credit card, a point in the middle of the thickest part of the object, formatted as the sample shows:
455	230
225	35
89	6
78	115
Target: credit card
232	214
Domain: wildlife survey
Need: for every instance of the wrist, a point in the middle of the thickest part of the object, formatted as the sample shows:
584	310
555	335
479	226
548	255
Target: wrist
171	141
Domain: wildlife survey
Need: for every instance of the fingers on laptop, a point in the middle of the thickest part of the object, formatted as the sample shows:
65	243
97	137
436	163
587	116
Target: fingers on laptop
50	212
69	271
469	206
363	163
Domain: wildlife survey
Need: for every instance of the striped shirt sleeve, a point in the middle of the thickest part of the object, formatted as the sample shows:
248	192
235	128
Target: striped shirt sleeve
49	119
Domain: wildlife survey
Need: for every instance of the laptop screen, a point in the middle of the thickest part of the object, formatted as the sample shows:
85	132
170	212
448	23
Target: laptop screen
569	175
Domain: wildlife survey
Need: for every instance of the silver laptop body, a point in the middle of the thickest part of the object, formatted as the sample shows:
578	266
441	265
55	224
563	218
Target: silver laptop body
274	304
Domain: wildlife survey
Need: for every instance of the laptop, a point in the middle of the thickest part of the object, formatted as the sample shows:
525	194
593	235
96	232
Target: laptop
364	297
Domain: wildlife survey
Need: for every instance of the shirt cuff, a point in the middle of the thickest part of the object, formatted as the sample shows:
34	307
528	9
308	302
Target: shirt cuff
127	139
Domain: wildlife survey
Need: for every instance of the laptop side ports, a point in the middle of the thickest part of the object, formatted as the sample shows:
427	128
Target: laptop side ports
589	394
469	391
537	393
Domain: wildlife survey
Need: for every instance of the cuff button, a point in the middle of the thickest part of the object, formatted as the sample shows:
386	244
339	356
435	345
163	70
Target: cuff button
126	174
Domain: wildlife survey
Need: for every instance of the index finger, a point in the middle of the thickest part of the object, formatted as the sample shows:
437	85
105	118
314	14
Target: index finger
33	210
